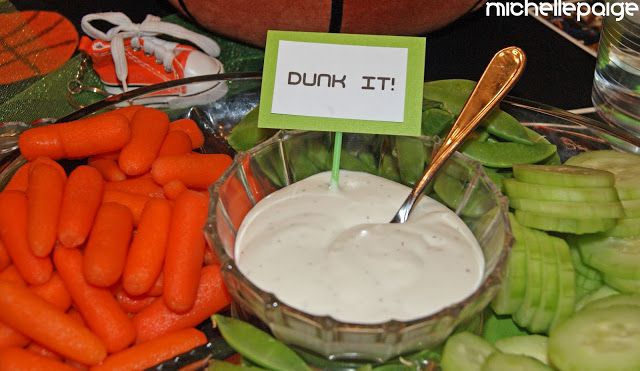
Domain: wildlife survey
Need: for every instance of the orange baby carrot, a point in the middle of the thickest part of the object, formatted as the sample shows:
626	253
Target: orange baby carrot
176	142
76	316
13	231
47	160
185	251
38	349
108	168
128	111
76	139
98	307
5	259
20	179
44	197
80	202
191	129
173	189
158	319
11	274
209	256
54	291
9	337
155	351
133	304
147	251
148	128
134	202
43	322
113	155
141	186
106	250
158	286
15	358
195	170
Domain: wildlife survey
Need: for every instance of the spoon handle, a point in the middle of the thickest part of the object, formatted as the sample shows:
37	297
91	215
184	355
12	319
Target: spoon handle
501	74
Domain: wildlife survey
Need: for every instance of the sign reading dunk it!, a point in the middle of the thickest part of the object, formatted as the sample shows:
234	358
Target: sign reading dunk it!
342	82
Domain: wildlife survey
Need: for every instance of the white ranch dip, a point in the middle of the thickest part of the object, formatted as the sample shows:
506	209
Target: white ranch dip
334	252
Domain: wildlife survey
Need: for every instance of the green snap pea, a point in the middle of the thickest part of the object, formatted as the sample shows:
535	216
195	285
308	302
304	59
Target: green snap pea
226	366
388	168
497	177
258	346
301	166
507	154
411	159
436	121
507	127
319	154
350	161
451	191
271	165
246	134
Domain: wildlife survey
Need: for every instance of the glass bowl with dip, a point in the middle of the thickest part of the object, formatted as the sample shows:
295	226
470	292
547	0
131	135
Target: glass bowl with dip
374	290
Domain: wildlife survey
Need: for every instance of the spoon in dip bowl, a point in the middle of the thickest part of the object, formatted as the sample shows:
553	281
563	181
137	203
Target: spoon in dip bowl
502	72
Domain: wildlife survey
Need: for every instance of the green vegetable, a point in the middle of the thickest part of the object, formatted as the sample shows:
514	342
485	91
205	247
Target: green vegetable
246	134
226	366
411	159
503	361
258	346
465	351
507	154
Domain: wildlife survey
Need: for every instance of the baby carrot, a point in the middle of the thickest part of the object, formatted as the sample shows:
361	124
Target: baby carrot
191	129
97	306
54	291
108	168
38	349
173	189
134	202
5	259
195	170
147	251
158	286
9	337
20	179
44	197
76	316
141	186
106	250
158	319
13	231
148	129
48	161
113	155
209	256
15	358
43	322
128	111
80	202
185	251
148	354
133	304
11	274
175	143
76	139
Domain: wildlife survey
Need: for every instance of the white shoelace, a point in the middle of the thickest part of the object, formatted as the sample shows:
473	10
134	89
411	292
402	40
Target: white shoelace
151	26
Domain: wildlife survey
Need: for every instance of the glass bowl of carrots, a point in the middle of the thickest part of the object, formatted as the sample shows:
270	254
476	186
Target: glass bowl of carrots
291	156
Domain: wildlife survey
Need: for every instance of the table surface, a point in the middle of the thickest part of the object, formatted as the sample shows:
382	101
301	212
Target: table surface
558	72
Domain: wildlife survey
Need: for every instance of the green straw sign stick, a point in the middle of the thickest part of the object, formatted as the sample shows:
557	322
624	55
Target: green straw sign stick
335	166
342	83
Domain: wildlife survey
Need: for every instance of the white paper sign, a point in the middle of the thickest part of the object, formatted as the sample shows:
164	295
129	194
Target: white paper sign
340	81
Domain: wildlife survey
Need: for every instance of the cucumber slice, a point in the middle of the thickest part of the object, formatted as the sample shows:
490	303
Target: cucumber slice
518	189
562	224
628	192
513	362
512	289
585	286
533	291
465	351
599	339
631	208
563	176
507	154
600	293
534	346
605	160
545	312
612	301
625	227
578	210
566	282
615	257
623	285
582	269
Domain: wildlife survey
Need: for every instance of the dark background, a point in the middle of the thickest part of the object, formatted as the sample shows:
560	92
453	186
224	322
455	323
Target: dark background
558	73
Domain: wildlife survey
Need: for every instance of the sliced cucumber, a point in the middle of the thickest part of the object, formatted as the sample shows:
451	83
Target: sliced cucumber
623	285
628	192
600	293
582	269
547	222
585	286
563	176
513	362
546	310
534	346
612	301
533	291
512	289
625	227
631	208
598	339
465	351
578	210
615	257
566	282
518	189
605	160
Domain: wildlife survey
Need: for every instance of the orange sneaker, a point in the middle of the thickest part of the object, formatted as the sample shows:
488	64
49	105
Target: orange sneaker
130	55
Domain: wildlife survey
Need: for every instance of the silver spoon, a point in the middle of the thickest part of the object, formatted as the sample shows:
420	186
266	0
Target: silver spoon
500	75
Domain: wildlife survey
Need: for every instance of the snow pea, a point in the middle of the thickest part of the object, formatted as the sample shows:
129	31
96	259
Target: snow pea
411	159
451	191
258	346
351	161
226	366
319	154
388	168
436	121
301	166
506	154
246	134
270	163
